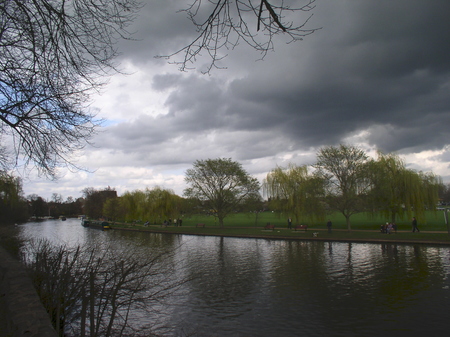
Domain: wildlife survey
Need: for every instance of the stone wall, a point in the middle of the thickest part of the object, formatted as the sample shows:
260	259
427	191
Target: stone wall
21	312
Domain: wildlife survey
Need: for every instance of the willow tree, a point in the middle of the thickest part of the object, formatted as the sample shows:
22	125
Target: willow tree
113	209
153	205
296	192
398	191
344	170
161	204
133	204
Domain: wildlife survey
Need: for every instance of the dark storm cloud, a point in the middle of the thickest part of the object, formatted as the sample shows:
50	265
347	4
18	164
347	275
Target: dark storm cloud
373	63
160	28
377	73
380	67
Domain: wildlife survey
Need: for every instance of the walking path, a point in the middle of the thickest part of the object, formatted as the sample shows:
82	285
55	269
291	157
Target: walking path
21	312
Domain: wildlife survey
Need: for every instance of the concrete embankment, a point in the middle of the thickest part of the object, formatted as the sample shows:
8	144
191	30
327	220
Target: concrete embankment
21	312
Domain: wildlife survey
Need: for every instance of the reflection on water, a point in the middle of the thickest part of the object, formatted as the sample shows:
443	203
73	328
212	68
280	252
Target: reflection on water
257	287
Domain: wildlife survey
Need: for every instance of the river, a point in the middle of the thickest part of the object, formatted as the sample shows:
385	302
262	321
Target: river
260	287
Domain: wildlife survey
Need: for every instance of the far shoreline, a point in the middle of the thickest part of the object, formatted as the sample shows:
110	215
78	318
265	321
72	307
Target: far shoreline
320	238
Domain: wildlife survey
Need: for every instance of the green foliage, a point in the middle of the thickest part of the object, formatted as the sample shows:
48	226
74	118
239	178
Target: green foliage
113	209
153	205
133	204
95	199
221	185
162	204
398	191
295	191
13	207
344	170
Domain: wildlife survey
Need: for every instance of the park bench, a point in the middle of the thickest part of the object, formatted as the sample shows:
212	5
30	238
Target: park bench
269	227
301	227
200	225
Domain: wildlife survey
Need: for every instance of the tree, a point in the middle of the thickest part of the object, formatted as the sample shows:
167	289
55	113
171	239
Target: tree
221	184
113	209
161	203
53	56
91	290
38	206
295	191
95	199
133	204
223	24
13	207
152	205
344	170
72	207
444	193
254	204
398	191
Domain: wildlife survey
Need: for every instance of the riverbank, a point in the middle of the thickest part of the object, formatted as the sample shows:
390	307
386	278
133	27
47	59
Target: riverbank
21	311
314	234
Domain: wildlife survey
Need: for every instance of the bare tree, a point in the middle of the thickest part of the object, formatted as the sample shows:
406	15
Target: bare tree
53	55
95	291
344	169
221	184
223	24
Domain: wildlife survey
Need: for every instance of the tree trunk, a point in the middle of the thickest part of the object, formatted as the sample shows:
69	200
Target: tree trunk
393	216
349	227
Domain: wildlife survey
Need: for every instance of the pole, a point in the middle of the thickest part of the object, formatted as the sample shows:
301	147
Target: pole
446	220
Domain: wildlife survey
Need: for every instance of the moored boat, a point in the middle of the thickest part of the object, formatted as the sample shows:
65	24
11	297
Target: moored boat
95	224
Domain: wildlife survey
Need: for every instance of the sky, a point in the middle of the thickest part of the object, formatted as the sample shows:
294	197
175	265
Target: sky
375	75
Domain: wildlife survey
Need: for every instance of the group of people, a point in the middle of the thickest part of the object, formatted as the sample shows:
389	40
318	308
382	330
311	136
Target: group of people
388	228
176	222
329	224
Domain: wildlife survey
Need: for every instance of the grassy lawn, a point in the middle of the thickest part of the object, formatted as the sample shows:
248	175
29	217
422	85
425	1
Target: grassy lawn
362	221
364	228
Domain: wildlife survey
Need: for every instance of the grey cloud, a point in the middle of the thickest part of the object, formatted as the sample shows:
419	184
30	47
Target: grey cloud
379	67
159	29
384	64
163	82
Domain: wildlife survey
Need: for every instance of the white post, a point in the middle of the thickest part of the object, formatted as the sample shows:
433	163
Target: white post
446	219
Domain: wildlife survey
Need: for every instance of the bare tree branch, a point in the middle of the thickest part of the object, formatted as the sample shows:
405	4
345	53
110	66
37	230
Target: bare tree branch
53	56
227	23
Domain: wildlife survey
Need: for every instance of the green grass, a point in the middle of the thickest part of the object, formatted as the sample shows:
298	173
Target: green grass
364	228
434	221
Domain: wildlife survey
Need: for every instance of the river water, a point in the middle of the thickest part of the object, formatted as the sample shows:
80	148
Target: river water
259	287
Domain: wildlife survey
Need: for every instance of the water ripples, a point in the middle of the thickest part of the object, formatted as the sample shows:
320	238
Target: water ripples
258	287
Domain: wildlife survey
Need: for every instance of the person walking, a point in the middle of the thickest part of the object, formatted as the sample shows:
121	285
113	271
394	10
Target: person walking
329	224
414	225
289	223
